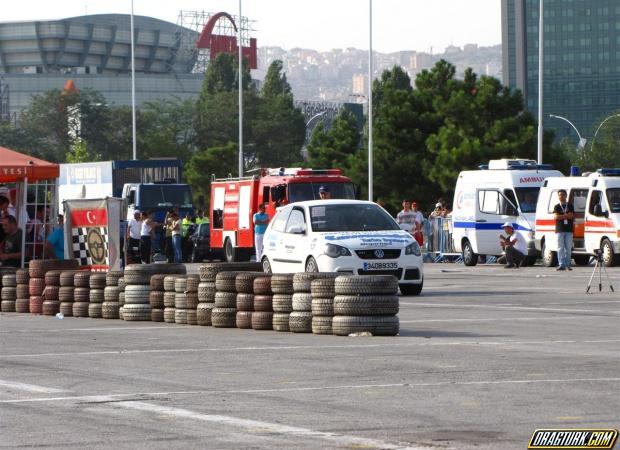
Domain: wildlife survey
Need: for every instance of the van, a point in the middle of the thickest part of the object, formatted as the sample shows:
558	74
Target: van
577	189
505	190
602	216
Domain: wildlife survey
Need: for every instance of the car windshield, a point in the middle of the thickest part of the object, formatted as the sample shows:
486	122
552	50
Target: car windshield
528	197
613	198
158	195
350	217
299	192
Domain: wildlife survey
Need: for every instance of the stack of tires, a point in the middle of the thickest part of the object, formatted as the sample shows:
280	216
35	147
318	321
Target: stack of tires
81	294
282	300
300	320
22	291
244	285
111	292
186	299
36	285
121	296
323	291
262	316
65	293
51	303
137	279
97	284
170	312
366	303
8	293
224	314
206	301
156	297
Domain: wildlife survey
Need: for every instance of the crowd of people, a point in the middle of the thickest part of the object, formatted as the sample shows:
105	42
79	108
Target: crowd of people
411	219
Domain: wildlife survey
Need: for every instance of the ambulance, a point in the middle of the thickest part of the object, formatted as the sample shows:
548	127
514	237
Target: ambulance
577	189
505	190
602	216
234	201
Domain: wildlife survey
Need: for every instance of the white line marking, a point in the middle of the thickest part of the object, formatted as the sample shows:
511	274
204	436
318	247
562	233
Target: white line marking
500	319
262	428
12	385
313	347
97	329
514	308
128	397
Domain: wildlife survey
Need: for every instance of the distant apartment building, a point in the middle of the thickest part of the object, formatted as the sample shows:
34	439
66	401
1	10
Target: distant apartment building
581	63
359	84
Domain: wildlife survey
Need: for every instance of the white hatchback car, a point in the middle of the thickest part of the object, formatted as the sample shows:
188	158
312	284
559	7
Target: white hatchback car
348	236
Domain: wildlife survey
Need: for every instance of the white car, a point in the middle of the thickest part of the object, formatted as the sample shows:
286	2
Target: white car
348	236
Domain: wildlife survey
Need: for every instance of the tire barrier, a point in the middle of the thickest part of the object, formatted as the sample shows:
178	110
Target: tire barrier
224	313
110	307
22	291
97	284
121	296
244	285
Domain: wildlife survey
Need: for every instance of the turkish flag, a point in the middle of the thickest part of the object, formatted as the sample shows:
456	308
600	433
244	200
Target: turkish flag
89	218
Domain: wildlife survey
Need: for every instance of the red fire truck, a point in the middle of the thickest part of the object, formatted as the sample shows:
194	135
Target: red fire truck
234	201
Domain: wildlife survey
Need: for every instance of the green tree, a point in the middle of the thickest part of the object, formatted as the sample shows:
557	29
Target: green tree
78	153
333	148
601	151
219	161
275	82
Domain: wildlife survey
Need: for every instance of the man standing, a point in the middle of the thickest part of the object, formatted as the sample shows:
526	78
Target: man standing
261	220
564	213
407	217
12	255
514	246
56	241
146	234
134	227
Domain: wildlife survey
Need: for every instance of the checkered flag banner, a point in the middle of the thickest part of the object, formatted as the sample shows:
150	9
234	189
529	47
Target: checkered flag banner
92	233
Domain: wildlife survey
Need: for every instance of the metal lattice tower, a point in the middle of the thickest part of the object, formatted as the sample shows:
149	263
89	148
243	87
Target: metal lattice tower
5	115
192	22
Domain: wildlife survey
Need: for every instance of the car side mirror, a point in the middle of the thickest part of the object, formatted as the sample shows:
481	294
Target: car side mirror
297	229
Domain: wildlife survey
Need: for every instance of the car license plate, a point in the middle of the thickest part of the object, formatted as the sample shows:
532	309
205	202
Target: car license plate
380	266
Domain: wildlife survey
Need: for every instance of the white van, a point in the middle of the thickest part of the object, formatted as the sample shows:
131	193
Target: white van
577	189
602	215
506	191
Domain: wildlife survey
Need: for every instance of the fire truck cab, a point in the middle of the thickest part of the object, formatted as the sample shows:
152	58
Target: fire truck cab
234	201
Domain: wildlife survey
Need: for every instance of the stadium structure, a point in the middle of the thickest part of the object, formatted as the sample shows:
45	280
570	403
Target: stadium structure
95	52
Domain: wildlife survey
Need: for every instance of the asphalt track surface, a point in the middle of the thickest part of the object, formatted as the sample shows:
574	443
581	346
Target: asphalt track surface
485	356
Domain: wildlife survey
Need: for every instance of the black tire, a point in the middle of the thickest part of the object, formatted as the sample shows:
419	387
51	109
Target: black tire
582	260
80	309
282	283
169	299
52	278
95	310
223	317
9	280
50	307
263	303
82	279
243	319
112	277
244	282
322	325
111	293
97	281
376	325
302	302
469	257
549	258
192	317
323	288
262	285
157	282
365	305
282	303
109	310
65	294
610	259
7	306
230	252
156	300
192	300
280	322
180	316
209	271
206	292
169	314
136	294
36	286
225	281
311	265
121	298
245	302
170	282
411	289
300	322
22	276
36	304
22	305
192	283
8	293
137	312
81	294
22	291
367	284
180	285
121	283
157	315
266	265
203	314
96	296
302	281
180	300
226	300
262	320
322	307
51	293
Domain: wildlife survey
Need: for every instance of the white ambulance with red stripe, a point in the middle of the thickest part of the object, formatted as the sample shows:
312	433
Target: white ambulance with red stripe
602	218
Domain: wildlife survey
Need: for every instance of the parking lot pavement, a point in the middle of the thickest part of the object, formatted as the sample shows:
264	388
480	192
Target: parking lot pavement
484	357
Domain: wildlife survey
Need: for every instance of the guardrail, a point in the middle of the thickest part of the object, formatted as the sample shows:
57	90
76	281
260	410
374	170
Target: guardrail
438	242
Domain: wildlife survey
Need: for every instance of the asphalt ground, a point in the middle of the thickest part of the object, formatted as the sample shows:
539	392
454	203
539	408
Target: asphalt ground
485	356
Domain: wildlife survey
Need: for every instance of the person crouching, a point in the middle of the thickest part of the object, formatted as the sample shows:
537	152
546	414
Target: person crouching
514	246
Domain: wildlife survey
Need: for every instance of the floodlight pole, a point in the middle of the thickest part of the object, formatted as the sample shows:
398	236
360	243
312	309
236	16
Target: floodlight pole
240	79
541	54
370	71
133	91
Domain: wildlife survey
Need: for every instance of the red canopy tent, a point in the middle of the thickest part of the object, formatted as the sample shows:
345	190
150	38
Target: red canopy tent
16	167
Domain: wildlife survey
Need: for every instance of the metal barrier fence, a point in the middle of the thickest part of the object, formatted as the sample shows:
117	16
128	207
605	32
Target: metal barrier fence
438	244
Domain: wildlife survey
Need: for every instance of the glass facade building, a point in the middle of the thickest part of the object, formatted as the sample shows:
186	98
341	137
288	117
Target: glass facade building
581	60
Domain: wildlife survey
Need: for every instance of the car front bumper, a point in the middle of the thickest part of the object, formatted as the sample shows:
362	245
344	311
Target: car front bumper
408	269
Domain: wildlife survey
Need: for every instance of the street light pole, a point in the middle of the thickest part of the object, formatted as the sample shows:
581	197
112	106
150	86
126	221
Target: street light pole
133	91
582	141
541	54
240	45
599	127
370	71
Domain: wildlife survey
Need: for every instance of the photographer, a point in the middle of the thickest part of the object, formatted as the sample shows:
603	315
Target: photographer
514	246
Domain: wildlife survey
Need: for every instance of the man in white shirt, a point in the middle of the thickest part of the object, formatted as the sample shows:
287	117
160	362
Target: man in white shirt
407	217
514	246
134	227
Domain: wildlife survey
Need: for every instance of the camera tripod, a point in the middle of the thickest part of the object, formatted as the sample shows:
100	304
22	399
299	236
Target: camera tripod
598	264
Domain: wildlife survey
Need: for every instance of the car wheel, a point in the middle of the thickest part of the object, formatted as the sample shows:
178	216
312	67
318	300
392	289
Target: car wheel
609	258
266	265
196	256
230	252
411	289
469	257
549	258
311	265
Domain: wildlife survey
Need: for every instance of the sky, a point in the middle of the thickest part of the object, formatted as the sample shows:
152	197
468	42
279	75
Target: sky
318	24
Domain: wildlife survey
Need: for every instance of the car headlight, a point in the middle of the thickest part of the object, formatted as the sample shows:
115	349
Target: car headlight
413	249
334	251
